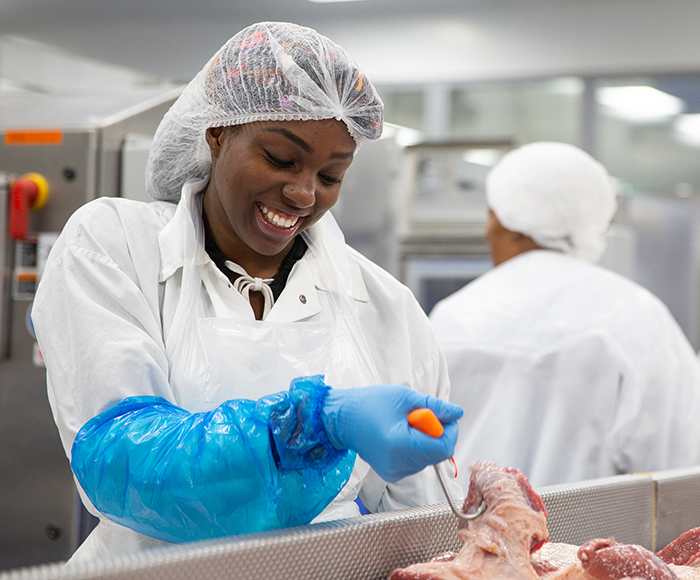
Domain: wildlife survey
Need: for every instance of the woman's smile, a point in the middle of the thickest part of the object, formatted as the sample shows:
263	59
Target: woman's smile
277	218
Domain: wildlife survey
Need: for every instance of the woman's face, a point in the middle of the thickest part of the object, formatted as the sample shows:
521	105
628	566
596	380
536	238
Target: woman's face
271	180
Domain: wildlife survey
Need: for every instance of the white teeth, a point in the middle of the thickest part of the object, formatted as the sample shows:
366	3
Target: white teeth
277	219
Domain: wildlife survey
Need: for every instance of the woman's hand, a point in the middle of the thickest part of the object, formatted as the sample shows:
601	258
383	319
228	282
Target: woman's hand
373	421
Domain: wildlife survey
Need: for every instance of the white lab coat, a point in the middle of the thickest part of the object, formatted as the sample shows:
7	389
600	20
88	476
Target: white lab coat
568	372
105	306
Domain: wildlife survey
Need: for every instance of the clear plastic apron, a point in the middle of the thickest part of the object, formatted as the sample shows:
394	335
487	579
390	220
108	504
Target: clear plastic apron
267	357
213	360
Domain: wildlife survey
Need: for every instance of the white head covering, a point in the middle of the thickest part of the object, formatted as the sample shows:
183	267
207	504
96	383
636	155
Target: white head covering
556	194
268	71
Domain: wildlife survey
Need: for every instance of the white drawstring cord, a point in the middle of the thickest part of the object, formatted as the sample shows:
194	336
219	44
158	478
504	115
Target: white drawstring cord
246	283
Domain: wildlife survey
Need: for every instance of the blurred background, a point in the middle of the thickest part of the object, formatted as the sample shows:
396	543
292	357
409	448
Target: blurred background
83	84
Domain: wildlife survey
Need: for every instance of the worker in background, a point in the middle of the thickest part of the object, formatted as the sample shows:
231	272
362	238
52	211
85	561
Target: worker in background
566	370
218	359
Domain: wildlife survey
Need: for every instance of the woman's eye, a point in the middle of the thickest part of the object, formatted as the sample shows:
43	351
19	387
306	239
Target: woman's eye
277	162
329	180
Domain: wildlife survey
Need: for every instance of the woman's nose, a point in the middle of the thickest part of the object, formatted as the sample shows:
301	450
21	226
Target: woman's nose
300	192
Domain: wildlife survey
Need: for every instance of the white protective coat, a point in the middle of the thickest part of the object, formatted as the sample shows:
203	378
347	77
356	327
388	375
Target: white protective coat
568	371
112	284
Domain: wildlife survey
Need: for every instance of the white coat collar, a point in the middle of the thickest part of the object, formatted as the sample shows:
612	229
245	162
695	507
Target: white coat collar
172	236
171	241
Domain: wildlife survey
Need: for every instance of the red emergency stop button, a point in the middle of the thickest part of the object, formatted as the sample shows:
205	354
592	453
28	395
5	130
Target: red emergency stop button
29	192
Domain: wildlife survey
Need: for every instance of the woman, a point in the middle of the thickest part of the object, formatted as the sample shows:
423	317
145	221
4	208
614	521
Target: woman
172	330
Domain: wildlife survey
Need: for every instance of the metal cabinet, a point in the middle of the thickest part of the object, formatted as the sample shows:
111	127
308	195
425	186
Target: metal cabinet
41	518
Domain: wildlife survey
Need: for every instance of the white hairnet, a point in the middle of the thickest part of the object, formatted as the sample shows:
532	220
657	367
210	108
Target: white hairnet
556	194
268	71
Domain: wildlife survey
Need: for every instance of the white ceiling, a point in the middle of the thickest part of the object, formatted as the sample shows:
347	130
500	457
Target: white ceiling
175	37
16	12
395	41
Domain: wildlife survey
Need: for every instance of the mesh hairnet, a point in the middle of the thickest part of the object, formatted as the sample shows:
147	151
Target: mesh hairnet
556	194
268	71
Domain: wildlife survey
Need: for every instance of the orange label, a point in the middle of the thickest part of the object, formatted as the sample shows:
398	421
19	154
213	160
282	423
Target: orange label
33	137
26	276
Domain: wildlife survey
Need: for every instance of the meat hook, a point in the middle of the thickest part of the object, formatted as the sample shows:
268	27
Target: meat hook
427	422
457	511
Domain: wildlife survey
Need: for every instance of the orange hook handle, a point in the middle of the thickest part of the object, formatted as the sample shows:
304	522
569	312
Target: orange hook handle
425	420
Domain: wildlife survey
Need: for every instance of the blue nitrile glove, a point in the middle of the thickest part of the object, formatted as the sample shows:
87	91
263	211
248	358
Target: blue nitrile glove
373	421
246	466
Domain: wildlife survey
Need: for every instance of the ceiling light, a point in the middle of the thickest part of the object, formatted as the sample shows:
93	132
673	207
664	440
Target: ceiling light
687	129
639	103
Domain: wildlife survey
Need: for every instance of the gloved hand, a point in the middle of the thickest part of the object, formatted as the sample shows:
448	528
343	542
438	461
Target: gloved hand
373	422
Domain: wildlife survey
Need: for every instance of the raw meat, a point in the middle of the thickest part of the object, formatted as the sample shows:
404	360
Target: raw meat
686	572
499	542
608	560
556	554
684	550
565	558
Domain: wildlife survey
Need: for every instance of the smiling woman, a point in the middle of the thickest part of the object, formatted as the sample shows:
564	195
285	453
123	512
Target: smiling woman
191	343
270	181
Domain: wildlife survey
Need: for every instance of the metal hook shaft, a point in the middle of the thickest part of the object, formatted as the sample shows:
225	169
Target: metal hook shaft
457	511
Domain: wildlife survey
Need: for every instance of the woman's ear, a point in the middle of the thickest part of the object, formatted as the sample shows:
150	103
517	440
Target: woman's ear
214	137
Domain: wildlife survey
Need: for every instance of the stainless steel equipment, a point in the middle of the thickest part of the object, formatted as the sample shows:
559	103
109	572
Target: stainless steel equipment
418	209
78	151
444	214
648	510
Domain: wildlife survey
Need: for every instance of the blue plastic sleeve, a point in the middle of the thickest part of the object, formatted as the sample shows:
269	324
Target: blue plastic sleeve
243	467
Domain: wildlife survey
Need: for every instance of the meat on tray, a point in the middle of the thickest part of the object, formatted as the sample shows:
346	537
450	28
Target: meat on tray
499	542
608	560
503	542
684	550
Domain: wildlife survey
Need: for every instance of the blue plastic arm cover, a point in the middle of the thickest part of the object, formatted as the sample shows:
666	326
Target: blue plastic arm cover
243	467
